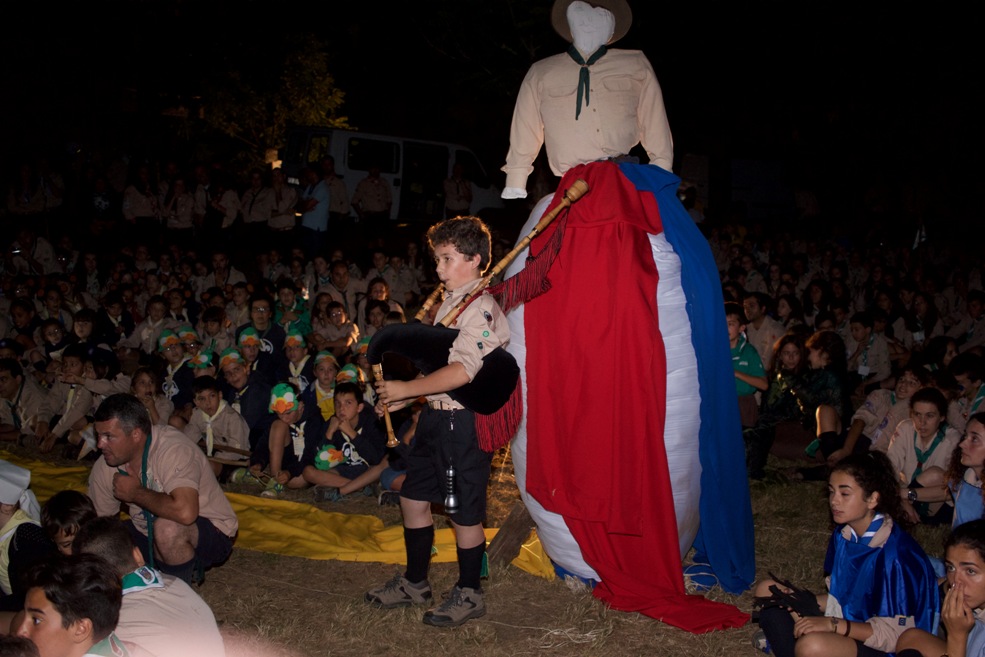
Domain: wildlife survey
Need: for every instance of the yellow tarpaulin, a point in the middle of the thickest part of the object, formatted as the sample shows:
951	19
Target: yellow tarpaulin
300	530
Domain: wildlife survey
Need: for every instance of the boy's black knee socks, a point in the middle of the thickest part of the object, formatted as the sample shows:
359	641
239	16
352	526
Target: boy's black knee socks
470	566
418	543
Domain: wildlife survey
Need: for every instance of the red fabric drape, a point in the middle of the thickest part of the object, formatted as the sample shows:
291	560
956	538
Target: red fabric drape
596	398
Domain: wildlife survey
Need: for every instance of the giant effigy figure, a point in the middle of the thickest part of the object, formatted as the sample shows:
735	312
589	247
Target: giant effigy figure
630	452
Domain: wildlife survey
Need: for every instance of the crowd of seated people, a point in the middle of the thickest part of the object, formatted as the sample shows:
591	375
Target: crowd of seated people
202	299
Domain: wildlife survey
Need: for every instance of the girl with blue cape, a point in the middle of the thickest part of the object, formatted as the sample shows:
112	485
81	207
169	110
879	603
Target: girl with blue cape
880	581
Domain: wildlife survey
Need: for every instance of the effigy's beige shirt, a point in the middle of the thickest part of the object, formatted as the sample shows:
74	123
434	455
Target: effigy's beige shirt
625	108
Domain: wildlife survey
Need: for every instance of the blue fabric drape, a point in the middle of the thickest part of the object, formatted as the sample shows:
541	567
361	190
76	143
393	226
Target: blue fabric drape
725	537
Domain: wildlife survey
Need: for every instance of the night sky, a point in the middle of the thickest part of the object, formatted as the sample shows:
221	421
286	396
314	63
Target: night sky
840	95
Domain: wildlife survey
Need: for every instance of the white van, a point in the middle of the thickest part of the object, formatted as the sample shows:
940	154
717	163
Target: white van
416	169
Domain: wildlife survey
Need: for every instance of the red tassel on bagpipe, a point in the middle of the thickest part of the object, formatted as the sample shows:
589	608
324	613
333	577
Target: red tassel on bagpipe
531	281
498	428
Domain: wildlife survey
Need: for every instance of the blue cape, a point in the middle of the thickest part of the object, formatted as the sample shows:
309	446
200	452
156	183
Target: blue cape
896	579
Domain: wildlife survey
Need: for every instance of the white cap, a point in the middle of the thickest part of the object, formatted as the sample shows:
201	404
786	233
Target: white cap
14	482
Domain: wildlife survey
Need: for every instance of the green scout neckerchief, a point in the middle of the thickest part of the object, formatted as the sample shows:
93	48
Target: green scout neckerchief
583	79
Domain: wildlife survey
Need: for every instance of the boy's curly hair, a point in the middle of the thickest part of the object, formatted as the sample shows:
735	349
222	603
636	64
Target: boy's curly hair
469	235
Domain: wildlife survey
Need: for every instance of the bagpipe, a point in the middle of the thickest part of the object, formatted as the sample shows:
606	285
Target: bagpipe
494	392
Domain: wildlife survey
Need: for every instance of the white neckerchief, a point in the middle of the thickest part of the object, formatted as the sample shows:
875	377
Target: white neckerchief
297	438
209	419
296	369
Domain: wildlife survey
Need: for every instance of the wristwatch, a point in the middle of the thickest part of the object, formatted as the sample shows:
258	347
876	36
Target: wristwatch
911	495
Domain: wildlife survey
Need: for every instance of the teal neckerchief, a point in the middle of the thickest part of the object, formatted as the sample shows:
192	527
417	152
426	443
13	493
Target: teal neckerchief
148	516
924	454
974	404
583	80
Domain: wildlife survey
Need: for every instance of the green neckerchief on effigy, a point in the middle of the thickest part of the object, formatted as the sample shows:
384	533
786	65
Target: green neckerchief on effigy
583	78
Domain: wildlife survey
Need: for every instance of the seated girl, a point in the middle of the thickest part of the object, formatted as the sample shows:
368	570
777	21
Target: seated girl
146	386
964	474
920	451
962	609
813	411
864	611
938	353
877	418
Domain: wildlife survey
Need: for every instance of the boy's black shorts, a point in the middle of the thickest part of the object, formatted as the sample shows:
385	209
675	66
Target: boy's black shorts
436	444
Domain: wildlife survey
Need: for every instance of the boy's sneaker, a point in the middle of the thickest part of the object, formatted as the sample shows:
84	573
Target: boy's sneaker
461	605
328	494
399	592
390	498
238	476
369	491
273	489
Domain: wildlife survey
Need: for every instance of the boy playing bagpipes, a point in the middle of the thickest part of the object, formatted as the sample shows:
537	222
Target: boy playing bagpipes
446	464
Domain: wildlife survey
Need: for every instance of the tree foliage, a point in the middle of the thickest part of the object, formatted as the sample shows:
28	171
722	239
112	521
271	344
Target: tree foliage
256	106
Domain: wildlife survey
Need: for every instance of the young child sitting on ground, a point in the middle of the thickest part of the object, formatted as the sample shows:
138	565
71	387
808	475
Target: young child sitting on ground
340	333
67	404
146	386
968	371
215	338
216	425
321	392
299	366
748	366
248	397
203	364
145	335
920	451
294	436
238	309
876	419
261	364
177	383
355	446
869	361
62	516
